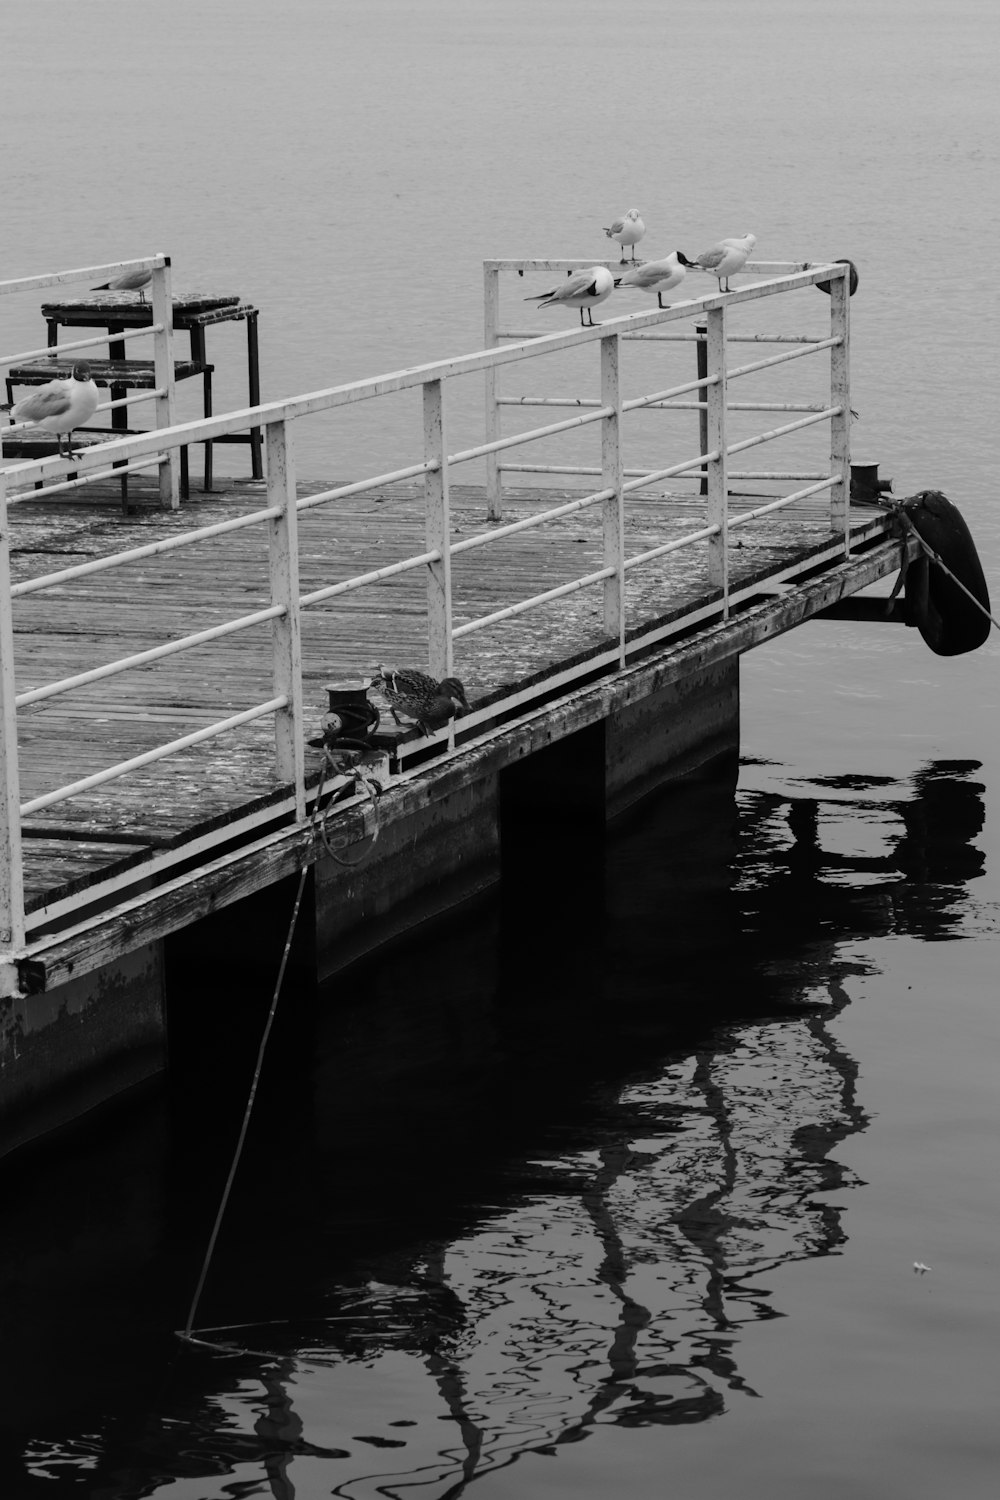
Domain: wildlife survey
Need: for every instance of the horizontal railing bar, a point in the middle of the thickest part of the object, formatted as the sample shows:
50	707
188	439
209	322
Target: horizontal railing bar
341	491
682	541
22	496
731	338
64	793
780	359
740	518
775	474
589	473
579	263
574	401
538	599
655	475
518	438
776	432
389	571
115	268
59	351
151	549
209	428
155	653
570	508
152	395
162	860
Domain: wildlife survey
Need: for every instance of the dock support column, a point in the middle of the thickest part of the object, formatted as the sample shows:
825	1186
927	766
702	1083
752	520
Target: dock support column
438	531
491	304
286	641
11	872
718	475
163	368
612	478
840	395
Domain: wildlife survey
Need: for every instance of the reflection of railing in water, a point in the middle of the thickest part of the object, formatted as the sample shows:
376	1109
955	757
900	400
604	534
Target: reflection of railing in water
613	1289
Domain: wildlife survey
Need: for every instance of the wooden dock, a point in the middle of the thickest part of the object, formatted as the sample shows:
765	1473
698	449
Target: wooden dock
116	613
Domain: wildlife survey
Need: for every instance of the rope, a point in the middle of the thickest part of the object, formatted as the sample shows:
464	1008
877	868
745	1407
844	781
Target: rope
907	522
319	818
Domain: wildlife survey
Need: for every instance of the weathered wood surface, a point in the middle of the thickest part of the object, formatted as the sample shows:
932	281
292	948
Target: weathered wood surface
82	624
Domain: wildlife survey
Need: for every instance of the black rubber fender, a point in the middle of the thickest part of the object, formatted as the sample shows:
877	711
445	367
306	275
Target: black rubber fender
852	277
949	621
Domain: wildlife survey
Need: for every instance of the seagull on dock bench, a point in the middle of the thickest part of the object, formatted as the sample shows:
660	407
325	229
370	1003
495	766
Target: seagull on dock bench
130	281
627	231
60	406
723	260
584	289
420	697
655	276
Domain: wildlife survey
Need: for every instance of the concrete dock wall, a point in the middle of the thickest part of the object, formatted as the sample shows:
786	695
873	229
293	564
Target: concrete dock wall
79	1044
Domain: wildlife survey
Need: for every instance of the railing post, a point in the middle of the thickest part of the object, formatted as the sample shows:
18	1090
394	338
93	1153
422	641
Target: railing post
163	368
840	395
491	320
718	477
286	640
11	871
612	478
440	649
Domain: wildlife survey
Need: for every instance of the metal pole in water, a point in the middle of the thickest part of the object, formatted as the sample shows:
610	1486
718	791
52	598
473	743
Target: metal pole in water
701	351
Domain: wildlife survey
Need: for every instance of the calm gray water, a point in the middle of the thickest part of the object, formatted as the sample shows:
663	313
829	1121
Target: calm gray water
638	1218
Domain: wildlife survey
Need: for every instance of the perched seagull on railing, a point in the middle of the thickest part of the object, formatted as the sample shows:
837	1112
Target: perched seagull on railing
131	281
655	276
627	231
430	703
723	260
584	289
60	406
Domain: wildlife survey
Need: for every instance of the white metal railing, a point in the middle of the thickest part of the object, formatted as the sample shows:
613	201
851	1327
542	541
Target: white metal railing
280	518
162	393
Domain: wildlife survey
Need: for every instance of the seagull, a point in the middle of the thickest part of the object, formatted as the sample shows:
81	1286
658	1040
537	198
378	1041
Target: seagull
723	260
584	289
420	697
656	276
627	231
131	281
60	406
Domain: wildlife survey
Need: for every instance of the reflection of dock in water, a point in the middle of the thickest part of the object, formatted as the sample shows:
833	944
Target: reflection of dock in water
610	1285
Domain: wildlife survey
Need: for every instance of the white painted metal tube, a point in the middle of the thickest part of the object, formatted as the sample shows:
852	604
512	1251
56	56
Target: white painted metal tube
740	518
529	521
518	438
380	481
537	599
674	546
776	432
815	347
57	351
123	768
137	554
349	584
19	496
155	653
660	403
112	270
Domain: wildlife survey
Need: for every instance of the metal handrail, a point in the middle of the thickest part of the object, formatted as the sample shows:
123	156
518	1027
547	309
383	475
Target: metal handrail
287	600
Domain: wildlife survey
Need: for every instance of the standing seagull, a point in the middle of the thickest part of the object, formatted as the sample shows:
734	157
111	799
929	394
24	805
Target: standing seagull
584	289
656	276
627	231
131	281
723	260
60	406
